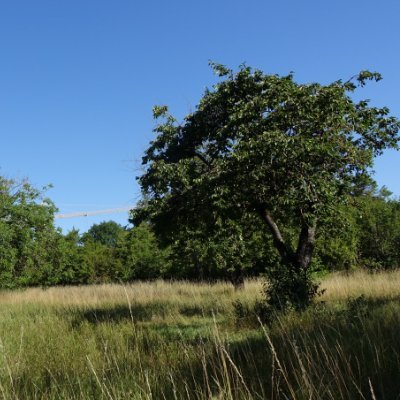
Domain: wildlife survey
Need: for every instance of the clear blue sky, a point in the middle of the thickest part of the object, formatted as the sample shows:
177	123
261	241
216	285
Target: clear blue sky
79	78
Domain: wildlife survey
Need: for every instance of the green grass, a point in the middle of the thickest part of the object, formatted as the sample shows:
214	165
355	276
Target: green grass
183	341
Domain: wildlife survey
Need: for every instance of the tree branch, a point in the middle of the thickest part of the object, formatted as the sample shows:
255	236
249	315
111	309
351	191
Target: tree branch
284	250
203	159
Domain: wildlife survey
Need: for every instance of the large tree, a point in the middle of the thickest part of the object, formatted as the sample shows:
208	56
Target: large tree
265	145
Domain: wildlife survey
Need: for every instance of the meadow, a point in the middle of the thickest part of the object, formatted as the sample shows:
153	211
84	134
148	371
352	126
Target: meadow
178	340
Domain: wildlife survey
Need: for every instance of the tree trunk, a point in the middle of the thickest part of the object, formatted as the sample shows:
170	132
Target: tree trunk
301	258
238	282
291	285
305	246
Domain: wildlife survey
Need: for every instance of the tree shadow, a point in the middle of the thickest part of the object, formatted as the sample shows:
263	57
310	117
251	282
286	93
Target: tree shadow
115	314
134	313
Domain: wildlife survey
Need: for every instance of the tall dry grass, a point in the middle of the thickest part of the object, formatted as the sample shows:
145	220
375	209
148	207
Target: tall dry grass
170	340
169	292
341	286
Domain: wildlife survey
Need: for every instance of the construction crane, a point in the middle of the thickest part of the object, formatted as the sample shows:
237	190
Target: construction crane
90	213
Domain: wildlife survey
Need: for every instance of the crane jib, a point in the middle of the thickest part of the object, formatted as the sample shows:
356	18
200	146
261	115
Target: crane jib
89	213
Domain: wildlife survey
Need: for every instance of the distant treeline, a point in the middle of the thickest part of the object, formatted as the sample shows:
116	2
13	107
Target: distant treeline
366	234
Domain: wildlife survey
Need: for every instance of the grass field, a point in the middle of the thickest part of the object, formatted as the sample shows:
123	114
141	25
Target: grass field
184	341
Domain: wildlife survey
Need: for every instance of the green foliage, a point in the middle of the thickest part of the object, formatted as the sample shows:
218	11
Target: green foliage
27	234
34	253
69	267
337	245
106	233
230	251
379	231
141	255
101	263
289	288
262	146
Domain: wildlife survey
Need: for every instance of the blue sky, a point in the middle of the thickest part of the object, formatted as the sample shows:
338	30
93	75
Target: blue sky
79	78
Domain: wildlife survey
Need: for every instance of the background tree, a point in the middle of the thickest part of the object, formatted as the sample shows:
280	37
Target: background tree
267	146
141	255
336	247
69	267
101	263
27	234
378	223
106	233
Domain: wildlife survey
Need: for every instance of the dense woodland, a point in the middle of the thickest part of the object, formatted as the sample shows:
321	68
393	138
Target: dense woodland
34	253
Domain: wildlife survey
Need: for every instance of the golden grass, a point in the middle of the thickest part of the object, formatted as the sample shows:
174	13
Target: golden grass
170	293
338	286
341	286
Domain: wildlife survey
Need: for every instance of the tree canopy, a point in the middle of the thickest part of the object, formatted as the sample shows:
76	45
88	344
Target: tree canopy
264	145
27	233
106	233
